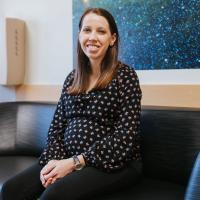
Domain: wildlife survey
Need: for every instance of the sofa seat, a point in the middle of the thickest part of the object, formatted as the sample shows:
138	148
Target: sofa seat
11	165
170	144
149	189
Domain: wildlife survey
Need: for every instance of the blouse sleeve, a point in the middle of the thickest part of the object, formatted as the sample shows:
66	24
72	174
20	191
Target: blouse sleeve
114	150
55	140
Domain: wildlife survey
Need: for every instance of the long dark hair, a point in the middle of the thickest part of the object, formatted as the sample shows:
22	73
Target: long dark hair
109	63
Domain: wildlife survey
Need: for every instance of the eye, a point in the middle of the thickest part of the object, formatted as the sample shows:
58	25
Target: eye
102	31
86	30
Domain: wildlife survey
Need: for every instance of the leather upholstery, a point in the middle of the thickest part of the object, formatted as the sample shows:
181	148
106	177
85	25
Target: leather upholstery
170	144
24	127
193	189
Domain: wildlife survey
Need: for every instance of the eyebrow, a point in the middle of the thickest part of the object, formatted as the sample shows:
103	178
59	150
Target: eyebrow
97	27
86	27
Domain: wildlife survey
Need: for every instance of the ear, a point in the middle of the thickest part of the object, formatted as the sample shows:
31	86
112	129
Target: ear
113	39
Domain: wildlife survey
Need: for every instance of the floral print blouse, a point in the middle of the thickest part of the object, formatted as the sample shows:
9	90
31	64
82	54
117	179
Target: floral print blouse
102	125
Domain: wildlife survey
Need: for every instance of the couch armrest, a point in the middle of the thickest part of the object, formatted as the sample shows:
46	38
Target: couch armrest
193	188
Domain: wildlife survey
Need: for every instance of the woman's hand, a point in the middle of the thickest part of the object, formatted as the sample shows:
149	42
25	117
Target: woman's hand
56	169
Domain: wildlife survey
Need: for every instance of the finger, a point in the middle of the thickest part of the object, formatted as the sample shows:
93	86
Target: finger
50	175
42	178
48	182
43	170
53	180
48	168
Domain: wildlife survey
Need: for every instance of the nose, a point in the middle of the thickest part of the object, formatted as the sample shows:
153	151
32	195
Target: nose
93	35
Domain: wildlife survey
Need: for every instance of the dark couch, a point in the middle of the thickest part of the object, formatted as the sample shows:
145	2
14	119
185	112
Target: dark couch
170	144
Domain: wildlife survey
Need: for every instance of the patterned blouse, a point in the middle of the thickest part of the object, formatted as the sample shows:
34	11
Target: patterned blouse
102	125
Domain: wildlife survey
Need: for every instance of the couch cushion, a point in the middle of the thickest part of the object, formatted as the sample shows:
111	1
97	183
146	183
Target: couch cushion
149	189
170	142
11	165
24	127
170	138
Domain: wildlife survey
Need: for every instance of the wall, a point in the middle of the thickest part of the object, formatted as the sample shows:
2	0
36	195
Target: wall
49	58
48	38
6	93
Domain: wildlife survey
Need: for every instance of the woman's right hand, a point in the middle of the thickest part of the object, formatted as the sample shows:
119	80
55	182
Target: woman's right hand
56	169
45	170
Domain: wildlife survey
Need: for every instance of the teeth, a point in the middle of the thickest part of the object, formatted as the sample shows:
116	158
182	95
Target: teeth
91	45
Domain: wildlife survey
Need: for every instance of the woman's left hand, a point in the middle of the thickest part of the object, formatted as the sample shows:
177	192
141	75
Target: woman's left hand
56	169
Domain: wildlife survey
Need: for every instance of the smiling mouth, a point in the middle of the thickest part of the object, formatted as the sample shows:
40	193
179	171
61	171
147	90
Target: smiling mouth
92	47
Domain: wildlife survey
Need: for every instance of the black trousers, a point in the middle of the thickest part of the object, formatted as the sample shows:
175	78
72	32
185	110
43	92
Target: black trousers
85	184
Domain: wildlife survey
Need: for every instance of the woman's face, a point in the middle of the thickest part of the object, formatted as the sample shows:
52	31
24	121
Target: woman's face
95	37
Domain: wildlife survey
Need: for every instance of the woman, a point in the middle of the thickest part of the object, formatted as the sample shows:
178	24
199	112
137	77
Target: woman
93	140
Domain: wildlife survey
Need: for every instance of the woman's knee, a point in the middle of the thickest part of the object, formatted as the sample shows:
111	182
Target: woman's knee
60	192
50	193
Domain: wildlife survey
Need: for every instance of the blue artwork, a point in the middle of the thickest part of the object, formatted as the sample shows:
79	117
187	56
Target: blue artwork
154	34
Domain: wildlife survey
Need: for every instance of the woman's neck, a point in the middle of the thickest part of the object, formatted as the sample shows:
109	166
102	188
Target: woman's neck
96	69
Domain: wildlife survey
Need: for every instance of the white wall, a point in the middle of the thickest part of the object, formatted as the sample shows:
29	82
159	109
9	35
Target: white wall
48	38
170	77
49	44
3	61
6	93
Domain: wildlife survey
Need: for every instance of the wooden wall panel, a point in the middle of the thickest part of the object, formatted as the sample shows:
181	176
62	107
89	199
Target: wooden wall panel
161	95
